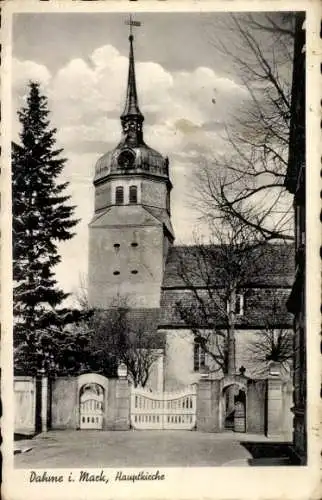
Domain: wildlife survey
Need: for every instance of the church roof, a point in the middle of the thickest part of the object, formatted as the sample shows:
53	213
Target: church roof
132	156
131	215
146	160
257	305
266	285
186	265
131	102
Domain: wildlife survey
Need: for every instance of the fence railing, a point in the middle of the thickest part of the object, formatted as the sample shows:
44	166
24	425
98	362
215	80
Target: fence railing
166	410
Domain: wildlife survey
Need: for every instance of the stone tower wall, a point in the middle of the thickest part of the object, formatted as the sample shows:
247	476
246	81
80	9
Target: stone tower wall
140	249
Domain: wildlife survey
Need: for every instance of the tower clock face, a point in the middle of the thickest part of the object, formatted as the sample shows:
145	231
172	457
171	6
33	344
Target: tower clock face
126	158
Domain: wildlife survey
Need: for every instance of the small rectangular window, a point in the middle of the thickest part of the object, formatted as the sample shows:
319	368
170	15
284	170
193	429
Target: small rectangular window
133	195
199	358
119	195
239	305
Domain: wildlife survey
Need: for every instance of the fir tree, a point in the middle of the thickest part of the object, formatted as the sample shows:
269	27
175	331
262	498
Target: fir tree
42	217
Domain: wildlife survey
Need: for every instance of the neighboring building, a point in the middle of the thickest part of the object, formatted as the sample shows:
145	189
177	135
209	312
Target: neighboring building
295	183
131	255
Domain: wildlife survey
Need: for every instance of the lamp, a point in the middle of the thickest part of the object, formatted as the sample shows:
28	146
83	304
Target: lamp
274	369
122	370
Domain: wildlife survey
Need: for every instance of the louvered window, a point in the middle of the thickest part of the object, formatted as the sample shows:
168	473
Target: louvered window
133	194
119	195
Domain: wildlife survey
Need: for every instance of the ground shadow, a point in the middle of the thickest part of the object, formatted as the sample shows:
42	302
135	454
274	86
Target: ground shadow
268	454
18	437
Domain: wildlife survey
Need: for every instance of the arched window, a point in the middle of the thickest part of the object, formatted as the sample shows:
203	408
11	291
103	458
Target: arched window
119	195
133	194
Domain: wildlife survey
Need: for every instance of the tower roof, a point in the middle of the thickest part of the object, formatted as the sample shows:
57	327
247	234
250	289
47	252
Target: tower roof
132	155
131	107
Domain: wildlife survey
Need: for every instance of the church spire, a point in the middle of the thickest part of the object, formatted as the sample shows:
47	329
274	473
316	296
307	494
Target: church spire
132	117
131	103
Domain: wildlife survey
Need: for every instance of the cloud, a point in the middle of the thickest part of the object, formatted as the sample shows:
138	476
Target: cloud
87	96
185	112
23	71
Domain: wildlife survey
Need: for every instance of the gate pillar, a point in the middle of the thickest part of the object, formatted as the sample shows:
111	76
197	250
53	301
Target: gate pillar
118	405
274	407
208	405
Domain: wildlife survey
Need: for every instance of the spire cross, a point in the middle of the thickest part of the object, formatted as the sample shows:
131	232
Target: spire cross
130	22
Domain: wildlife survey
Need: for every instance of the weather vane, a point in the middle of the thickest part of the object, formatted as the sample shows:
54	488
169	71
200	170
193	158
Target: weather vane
130	22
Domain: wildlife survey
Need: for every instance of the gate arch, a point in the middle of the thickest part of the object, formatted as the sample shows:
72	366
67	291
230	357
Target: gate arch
91	406
92	400
239	418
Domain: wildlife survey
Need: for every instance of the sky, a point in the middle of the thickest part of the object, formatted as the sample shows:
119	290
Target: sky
187	91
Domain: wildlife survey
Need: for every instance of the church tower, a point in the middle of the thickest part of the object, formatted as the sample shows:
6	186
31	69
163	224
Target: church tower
130	233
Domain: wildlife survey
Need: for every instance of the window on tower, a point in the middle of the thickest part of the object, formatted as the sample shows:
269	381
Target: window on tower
119	195
133	195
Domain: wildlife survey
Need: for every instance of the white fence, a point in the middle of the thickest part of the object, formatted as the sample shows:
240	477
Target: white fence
163	410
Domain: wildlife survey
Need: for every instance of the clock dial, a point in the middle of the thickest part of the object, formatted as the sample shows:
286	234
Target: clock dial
126	159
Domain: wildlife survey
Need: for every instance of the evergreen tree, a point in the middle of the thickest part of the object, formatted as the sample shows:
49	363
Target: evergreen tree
42	217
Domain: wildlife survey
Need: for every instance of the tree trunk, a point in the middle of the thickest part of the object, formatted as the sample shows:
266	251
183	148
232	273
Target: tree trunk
231	368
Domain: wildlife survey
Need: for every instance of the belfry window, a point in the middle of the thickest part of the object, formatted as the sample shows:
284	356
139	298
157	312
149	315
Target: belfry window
199	356
133	194
119	195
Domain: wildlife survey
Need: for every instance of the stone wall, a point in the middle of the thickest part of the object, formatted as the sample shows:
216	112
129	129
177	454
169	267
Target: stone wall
208	406
64	413
279	402
267	405
24	405
256	406
287	395
117	413
66	400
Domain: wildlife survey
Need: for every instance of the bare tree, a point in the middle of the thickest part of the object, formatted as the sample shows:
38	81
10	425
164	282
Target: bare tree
217	277
272	344
211	310
121	335
247	181
275	341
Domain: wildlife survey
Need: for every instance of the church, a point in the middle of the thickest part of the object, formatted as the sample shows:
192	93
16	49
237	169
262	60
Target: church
132	254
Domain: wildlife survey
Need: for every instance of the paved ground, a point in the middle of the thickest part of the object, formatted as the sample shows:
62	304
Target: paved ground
146	448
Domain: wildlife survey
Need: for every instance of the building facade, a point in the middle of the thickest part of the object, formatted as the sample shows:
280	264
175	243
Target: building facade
295	183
